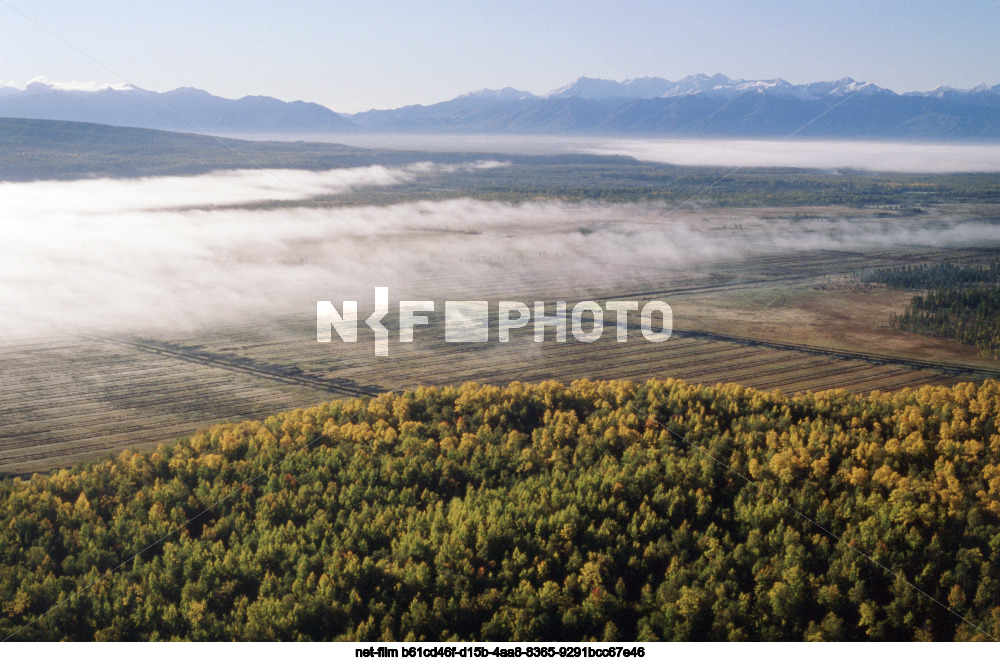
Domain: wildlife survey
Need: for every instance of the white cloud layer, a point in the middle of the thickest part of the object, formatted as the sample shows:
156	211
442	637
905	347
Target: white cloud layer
104	196
823	154
878	156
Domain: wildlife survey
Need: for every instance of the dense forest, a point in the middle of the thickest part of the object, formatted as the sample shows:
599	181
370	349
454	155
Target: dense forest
607	511
971	316
935	276
962	302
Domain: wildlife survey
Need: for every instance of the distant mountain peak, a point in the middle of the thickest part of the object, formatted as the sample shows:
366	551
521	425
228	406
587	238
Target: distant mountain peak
503	94
716	78
42	83
192	91
585	87
715	84
181	109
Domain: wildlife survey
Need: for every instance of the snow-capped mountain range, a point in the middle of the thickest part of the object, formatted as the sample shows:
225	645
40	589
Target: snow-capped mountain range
715	86
697	105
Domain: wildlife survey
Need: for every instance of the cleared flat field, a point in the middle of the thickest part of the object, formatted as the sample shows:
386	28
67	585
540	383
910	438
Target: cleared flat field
64	401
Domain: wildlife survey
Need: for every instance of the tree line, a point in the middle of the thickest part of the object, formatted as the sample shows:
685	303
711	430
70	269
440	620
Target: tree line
970	316
961	302
944	275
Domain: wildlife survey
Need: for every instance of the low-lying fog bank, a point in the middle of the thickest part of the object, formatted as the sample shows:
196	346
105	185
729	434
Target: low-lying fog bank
823	154
127	255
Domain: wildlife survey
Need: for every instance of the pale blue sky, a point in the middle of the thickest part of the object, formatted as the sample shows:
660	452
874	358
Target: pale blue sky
355	55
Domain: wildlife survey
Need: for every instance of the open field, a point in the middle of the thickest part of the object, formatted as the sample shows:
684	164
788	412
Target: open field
66	401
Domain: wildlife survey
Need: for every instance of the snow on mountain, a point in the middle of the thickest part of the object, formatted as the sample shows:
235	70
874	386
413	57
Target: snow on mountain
697	105
505	94
41	83
717	85
590	88
646	88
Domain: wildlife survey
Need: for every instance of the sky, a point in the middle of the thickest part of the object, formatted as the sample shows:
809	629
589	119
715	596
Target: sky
355	55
